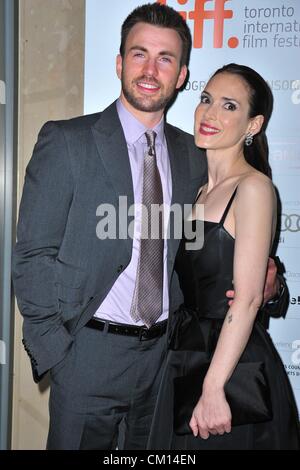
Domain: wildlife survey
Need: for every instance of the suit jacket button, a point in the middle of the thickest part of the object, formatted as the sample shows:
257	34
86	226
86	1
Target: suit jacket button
120	268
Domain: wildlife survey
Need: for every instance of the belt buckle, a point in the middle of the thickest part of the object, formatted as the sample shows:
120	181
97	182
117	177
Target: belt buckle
143	334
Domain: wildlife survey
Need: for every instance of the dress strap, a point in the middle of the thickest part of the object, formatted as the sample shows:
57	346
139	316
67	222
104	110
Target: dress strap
198	195
228	207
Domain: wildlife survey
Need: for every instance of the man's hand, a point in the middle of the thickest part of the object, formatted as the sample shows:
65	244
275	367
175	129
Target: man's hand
272	284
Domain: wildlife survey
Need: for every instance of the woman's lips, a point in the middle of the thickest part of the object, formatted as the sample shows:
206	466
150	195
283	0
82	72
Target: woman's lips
208	130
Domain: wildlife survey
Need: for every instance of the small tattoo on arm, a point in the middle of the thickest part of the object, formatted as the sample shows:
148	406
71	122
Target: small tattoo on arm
230	316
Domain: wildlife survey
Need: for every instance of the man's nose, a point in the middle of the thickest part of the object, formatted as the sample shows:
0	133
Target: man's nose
150	67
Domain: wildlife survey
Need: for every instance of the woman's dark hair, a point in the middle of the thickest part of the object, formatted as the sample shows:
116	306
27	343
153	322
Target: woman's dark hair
159	15
261	102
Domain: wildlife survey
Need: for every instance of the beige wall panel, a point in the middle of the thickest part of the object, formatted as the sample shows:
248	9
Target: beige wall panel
51	71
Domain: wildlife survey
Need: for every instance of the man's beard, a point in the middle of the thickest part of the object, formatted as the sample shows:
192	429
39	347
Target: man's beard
146	103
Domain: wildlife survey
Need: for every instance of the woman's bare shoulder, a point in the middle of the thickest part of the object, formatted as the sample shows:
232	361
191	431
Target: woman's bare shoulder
256	184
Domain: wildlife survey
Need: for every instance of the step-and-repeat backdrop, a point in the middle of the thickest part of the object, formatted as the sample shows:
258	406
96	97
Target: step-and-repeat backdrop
264	34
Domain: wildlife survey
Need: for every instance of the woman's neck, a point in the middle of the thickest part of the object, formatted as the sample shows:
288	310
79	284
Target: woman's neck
223	165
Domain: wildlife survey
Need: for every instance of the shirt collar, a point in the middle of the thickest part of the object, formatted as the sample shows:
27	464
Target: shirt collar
134	129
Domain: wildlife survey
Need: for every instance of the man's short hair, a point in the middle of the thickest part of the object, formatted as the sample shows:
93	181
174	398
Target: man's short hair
164	16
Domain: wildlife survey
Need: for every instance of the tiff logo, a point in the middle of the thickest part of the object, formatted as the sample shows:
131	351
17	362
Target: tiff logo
200	14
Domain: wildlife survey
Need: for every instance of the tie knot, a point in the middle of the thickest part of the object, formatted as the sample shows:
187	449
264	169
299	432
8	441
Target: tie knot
150	136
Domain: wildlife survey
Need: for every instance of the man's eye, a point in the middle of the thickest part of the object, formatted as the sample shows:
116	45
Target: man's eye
204	99
165	59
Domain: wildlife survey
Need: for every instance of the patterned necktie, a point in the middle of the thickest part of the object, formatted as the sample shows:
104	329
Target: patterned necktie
147	300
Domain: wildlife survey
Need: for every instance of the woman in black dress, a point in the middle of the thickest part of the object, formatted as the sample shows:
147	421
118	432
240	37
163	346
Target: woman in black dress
239	227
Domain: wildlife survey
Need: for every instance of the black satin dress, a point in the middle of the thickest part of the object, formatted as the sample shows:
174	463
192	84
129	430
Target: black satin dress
204	276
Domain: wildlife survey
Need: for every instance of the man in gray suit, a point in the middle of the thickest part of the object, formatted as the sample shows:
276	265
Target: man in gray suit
74	289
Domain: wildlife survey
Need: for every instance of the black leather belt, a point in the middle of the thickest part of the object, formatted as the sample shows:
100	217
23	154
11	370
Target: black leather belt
142	332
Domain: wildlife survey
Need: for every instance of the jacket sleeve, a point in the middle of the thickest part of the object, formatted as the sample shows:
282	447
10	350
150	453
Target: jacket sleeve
278	307
44	208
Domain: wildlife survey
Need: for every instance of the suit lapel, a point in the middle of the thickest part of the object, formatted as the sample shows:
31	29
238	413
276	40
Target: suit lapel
179	164
113	152
178	154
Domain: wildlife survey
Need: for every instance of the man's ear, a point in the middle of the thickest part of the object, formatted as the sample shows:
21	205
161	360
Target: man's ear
182	76
119	65
256	124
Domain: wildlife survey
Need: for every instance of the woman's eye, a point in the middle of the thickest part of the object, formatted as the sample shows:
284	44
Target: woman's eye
230	106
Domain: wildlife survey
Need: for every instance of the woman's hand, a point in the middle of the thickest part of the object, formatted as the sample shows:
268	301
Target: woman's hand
211	415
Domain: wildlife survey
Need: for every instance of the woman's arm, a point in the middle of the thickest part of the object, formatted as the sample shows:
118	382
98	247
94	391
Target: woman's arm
276	293
254	213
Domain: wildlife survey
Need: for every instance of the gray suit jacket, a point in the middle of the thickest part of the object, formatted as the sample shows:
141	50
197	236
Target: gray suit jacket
61	270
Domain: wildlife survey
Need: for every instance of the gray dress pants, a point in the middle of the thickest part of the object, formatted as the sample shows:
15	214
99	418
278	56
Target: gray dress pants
103	393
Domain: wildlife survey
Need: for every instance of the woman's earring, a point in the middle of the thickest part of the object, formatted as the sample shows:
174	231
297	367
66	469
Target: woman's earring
249	139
